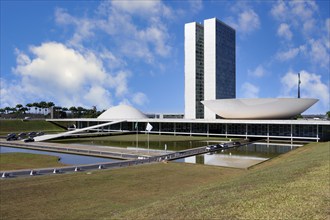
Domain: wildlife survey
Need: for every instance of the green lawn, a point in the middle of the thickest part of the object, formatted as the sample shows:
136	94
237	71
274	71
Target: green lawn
17	126
292	186
17	161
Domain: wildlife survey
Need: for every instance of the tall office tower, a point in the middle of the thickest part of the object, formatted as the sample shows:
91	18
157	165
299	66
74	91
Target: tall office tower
210	69
219	62
194	70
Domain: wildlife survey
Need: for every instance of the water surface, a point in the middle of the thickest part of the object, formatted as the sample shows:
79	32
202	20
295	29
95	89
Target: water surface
69	159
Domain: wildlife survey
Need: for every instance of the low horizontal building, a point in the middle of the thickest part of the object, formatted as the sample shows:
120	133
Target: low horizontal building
304	130
128	119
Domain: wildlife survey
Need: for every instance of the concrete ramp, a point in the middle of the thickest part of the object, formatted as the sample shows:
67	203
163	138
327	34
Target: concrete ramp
68	133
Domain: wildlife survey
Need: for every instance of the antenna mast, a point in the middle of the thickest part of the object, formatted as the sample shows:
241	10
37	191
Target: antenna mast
299	82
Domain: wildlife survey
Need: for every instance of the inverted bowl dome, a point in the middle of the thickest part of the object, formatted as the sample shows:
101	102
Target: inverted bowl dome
264	108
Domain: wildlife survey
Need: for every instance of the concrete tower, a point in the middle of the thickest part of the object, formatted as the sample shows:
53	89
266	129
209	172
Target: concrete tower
210	67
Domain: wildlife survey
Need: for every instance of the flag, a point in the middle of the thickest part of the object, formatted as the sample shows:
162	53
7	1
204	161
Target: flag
149	127
136	125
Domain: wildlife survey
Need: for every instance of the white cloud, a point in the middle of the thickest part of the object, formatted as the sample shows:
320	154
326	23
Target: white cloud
111	60
284	31
309	25
22	59
120	83
125	102
311	87
258	72
279	10
303	19
246	22
326	39
315	51
304	10
67	76
195	6
299	14
142	8
10	93
98	95
85	71
117	20
140	98
288	55
84	26
249	90
319	53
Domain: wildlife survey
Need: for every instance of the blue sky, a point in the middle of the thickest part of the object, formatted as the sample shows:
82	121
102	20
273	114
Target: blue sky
103	53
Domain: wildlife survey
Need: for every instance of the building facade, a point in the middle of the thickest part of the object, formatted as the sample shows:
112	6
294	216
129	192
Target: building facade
210	66
283	130
194	70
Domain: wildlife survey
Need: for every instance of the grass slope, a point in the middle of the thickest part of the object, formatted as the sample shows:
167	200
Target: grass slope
292	186
16	161
102	194
17	126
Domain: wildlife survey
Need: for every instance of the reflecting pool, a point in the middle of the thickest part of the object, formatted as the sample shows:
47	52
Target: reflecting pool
69	159
241	157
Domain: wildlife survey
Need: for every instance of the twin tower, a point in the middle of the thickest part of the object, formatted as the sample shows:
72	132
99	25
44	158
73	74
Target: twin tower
210	65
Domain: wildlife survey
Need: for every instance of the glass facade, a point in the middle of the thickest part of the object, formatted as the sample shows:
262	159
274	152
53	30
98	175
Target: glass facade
264	130
199	71
225	61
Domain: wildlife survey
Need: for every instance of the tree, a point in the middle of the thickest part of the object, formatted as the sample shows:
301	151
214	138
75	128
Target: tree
7	109
29	105
36	106
24	109
80	111
43	105
50	104
328	114
19	107
73	110
13	110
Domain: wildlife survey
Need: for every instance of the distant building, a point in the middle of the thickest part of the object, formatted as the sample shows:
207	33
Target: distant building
165	115
210	66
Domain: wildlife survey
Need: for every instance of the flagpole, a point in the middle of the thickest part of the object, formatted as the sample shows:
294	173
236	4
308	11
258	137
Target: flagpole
137	136
148	143
148	129
299	85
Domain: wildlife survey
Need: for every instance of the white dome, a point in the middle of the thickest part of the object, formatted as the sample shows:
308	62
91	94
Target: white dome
122	112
